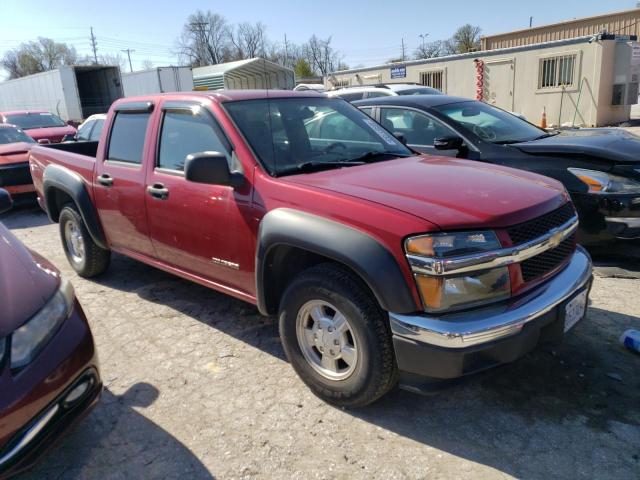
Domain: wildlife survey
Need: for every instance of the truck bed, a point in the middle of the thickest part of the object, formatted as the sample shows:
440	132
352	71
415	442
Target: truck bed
79	157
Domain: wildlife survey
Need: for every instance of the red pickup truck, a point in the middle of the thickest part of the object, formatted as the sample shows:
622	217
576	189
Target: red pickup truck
382	265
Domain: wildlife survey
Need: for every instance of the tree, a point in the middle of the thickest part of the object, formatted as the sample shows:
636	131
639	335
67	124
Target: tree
466	39
113	59
147	64
38	56
302	69
429	50
205	39
321	56
249	40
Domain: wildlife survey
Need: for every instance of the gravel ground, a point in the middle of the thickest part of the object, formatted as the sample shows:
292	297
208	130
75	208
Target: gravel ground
196	386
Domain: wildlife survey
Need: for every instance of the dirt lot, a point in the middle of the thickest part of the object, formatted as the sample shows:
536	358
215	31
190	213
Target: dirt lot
196	386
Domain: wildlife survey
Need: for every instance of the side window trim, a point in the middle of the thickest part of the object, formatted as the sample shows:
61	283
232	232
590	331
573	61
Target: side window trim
187	107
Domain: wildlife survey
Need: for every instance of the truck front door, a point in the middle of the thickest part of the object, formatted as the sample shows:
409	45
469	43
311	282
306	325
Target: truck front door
120	181
198	228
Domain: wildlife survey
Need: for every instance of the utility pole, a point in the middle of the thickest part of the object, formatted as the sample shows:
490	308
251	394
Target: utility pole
403	50
128	50
530	22
286	51
423	36
94	47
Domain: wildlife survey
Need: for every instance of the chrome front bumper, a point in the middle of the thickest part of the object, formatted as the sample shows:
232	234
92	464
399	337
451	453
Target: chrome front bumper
480	326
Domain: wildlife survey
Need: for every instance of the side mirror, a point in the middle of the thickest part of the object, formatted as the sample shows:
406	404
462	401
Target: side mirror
448	143
44	141
401	137
5	201
211	168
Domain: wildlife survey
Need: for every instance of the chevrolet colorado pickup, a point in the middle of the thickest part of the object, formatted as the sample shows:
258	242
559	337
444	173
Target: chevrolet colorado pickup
383	266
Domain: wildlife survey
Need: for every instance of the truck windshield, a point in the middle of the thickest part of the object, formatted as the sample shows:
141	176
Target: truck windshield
13	135
289	135
490	123
34	120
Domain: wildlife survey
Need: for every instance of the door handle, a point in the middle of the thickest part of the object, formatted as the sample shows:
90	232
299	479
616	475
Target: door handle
158	190
105	179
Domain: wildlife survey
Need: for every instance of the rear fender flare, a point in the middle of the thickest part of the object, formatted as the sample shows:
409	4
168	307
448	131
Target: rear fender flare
58	178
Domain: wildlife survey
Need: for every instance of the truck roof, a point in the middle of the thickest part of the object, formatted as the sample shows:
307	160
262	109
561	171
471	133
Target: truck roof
229	95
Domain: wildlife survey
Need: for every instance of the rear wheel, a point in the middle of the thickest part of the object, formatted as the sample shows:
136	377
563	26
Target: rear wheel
84	255
337	337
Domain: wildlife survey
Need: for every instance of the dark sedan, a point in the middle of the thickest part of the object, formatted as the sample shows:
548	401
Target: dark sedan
599	167
48	366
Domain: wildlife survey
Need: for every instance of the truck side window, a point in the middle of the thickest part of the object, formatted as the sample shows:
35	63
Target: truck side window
127	137
184	132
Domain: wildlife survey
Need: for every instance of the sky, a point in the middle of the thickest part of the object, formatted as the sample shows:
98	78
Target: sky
364	32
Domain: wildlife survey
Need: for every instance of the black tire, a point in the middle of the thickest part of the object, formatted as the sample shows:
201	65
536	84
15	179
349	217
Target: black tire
375	371
94	260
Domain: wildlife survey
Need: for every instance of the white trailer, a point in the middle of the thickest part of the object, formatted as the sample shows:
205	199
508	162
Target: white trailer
71	92
157	80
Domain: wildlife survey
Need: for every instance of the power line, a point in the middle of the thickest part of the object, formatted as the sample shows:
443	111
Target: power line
128	50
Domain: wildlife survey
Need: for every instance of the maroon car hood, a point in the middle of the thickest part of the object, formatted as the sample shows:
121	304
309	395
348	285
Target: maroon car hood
27	282
448	192
54	134
14	152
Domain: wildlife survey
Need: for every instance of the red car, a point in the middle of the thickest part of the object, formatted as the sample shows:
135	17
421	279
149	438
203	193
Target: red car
42	126
15	176
48	366
381	264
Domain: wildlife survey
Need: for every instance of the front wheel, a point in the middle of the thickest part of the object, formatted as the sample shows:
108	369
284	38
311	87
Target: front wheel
84	255
337	337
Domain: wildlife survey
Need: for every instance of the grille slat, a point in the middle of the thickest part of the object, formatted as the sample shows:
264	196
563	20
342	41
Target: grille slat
527	231
544	263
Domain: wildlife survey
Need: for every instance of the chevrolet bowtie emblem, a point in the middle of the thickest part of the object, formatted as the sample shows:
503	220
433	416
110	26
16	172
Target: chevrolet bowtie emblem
556	239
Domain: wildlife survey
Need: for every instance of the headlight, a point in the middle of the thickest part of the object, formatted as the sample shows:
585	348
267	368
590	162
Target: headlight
450	292
442	245
28	340
602	182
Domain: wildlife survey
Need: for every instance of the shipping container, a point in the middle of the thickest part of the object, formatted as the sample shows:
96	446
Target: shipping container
71	92
157	80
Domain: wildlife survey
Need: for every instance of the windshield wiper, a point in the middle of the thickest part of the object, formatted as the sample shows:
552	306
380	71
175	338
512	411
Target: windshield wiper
371	156
317	165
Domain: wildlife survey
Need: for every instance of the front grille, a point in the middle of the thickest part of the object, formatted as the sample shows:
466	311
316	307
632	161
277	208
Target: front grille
15	174
527	231
546	262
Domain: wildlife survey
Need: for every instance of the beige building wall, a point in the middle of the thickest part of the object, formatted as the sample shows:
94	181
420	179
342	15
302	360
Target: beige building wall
621	23
511	81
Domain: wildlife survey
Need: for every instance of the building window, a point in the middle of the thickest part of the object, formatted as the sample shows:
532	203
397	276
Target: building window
557	71
433	79
341	83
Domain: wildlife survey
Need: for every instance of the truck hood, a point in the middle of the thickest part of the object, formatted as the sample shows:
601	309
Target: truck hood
53	134
14	152
613	144
27	282
450	193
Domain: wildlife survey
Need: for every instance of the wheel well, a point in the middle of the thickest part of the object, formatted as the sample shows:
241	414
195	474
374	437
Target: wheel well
56	200
283	263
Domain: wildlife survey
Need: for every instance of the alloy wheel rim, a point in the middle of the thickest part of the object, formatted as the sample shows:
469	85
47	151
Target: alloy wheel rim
74	240
327	340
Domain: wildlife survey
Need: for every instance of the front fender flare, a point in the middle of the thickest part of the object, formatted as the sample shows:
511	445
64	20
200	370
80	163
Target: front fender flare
362	253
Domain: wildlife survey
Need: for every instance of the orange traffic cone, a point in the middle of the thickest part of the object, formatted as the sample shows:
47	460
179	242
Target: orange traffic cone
543	121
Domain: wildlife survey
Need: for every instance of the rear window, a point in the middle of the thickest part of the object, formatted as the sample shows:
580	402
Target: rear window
127	137
34	120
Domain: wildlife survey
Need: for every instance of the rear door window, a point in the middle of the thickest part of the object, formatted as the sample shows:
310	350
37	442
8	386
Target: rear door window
352	97
127	137
84	132
97	131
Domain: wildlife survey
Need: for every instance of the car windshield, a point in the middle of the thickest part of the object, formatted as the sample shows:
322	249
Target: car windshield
490	123
419	91
13	135
34	120
289	135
